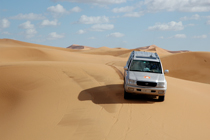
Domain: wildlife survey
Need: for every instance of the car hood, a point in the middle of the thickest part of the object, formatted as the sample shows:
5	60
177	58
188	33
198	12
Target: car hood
146	76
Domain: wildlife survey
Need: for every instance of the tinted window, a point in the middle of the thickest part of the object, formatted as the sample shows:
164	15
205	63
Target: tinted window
145	66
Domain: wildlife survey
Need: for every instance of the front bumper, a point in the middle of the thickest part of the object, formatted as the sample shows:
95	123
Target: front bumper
145	90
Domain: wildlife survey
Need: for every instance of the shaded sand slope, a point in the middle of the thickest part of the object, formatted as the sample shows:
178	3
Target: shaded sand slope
192	66
58	94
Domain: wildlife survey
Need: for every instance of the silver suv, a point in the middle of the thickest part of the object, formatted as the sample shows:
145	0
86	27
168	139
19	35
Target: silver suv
144	75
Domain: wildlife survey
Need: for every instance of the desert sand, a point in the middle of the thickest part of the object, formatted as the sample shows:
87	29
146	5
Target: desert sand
53	93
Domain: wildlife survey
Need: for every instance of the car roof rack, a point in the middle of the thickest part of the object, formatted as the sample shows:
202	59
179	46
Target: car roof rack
145	55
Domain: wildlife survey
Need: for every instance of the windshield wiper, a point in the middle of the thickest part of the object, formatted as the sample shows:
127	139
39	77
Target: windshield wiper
136	70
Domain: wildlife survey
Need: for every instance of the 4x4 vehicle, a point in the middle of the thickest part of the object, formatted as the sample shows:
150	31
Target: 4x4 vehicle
144	75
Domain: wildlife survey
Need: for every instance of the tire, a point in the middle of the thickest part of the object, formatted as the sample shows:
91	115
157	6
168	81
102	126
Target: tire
127	95
161	98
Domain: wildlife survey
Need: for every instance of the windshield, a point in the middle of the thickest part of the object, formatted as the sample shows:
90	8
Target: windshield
145	66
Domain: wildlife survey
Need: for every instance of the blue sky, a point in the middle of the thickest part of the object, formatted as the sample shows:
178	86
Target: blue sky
169	24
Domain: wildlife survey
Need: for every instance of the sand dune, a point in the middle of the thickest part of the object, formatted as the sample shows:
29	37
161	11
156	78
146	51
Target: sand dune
109	51
153	48
52	93
160	51
192	66
79	47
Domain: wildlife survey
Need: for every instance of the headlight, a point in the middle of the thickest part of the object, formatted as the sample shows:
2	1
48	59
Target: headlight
131	82
161	84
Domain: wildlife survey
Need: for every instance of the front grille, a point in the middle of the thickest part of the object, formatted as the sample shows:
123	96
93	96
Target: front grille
148	84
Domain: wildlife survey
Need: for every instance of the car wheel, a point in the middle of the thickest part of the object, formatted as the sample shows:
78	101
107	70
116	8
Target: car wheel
161	98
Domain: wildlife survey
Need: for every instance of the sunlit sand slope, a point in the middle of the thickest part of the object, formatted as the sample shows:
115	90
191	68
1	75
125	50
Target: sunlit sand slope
58	94
194	66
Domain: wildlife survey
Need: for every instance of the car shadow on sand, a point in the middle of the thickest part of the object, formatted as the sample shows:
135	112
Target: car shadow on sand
112	94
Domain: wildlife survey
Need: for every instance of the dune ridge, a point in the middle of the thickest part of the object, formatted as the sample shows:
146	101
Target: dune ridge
79	47
158	49
58	93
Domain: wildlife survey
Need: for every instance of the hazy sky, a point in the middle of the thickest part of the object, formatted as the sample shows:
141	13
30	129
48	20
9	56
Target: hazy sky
169	24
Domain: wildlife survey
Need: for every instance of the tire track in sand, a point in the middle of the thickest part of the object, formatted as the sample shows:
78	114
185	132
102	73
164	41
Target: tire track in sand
116	70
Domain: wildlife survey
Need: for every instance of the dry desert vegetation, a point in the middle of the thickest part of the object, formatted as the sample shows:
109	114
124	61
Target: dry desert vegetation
53	93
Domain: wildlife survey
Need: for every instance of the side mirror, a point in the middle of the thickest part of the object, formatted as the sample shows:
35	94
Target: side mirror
166	71
125	68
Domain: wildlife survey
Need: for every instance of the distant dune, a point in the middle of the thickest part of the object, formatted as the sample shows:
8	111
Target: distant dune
121	48
53	93
181	51
160	50
79	47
